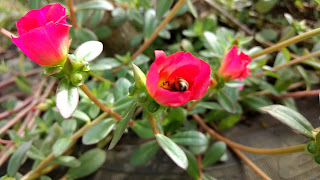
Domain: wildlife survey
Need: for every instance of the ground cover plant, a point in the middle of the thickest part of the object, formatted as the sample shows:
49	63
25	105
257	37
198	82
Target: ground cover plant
175	73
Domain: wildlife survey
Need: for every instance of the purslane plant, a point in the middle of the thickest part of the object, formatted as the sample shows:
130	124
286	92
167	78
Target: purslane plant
171	81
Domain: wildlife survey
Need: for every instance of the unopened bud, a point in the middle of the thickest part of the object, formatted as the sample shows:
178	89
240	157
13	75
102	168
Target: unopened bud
153	107
142	97
77	79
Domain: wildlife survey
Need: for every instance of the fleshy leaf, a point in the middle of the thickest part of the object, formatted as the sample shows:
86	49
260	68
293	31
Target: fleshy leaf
291	118
67	98
126	116
172	150
89	50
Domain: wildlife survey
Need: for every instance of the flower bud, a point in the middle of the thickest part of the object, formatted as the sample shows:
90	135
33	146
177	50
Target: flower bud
153	107
311	148
77	79
142	97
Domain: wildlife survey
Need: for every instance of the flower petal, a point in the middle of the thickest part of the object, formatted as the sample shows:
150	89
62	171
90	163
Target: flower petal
171	98
47	45
153	79
201	82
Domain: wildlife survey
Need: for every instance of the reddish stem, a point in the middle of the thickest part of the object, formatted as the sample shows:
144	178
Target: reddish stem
72	14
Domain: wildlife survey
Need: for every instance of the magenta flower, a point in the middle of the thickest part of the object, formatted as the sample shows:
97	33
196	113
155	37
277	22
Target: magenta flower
234	65
44	35
178	78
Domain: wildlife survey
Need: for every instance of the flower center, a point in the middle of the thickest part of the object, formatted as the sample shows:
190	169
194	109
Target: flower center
178	84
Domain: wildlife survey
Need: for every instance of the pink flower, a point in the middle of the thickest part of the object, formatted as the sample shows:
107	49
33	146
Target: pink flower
44	35
234	65
178	78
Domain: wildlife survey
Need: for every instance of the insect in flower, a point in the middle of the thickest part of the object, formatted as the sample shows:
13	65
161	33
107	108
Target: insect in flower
179	84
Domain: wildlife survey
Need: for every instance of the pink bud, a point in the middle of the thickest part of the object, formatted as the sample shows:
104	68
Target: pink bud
234	65
44	35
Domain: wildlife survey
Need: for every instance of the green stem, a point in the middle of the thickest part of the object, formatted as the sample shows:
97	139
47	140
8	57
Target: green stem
284	150
288	42
37	172
146	43
290	63
153	124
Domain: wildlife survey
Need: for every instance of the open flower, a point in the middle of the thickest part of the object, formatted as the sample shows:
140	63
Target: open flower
178	78
44	35
234	65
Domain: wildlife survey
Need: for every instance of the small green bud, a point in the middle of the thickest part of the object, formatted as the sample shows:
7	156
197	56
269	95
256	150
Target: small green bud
153	107
77	79
142	97
316	159
311	148
139	77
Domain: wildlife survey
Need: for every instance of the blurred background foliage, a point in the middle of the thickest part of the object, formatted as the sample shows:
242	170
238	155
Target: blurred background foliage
199	28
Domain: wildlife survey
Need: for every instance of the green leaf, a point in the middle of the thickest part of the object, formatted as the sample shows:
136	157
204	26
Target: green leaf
162	7
264	6
149	23
95	5
207	177
69	126
229	121
214	154
81	35
192	9
141	59
93	111
23	84
126	116
61	145
305	76
214	44
174	120
226	102
67	98
35	153
193	168
98	132
143	129
91	161
267	35
103	32
172	150
210	105
121	88
69	161
122	103
256	102
17	158
190	138
291	118
144	153
118	17
89	50
81	115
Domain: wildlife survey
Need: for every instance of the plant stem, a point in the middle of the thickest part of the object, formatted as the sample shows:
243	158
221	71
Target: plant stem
153	123
72	14
301	94
6	33
254	167
87	91
284	150
155	33
100	77
288	42
37	172
290	63
230	17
